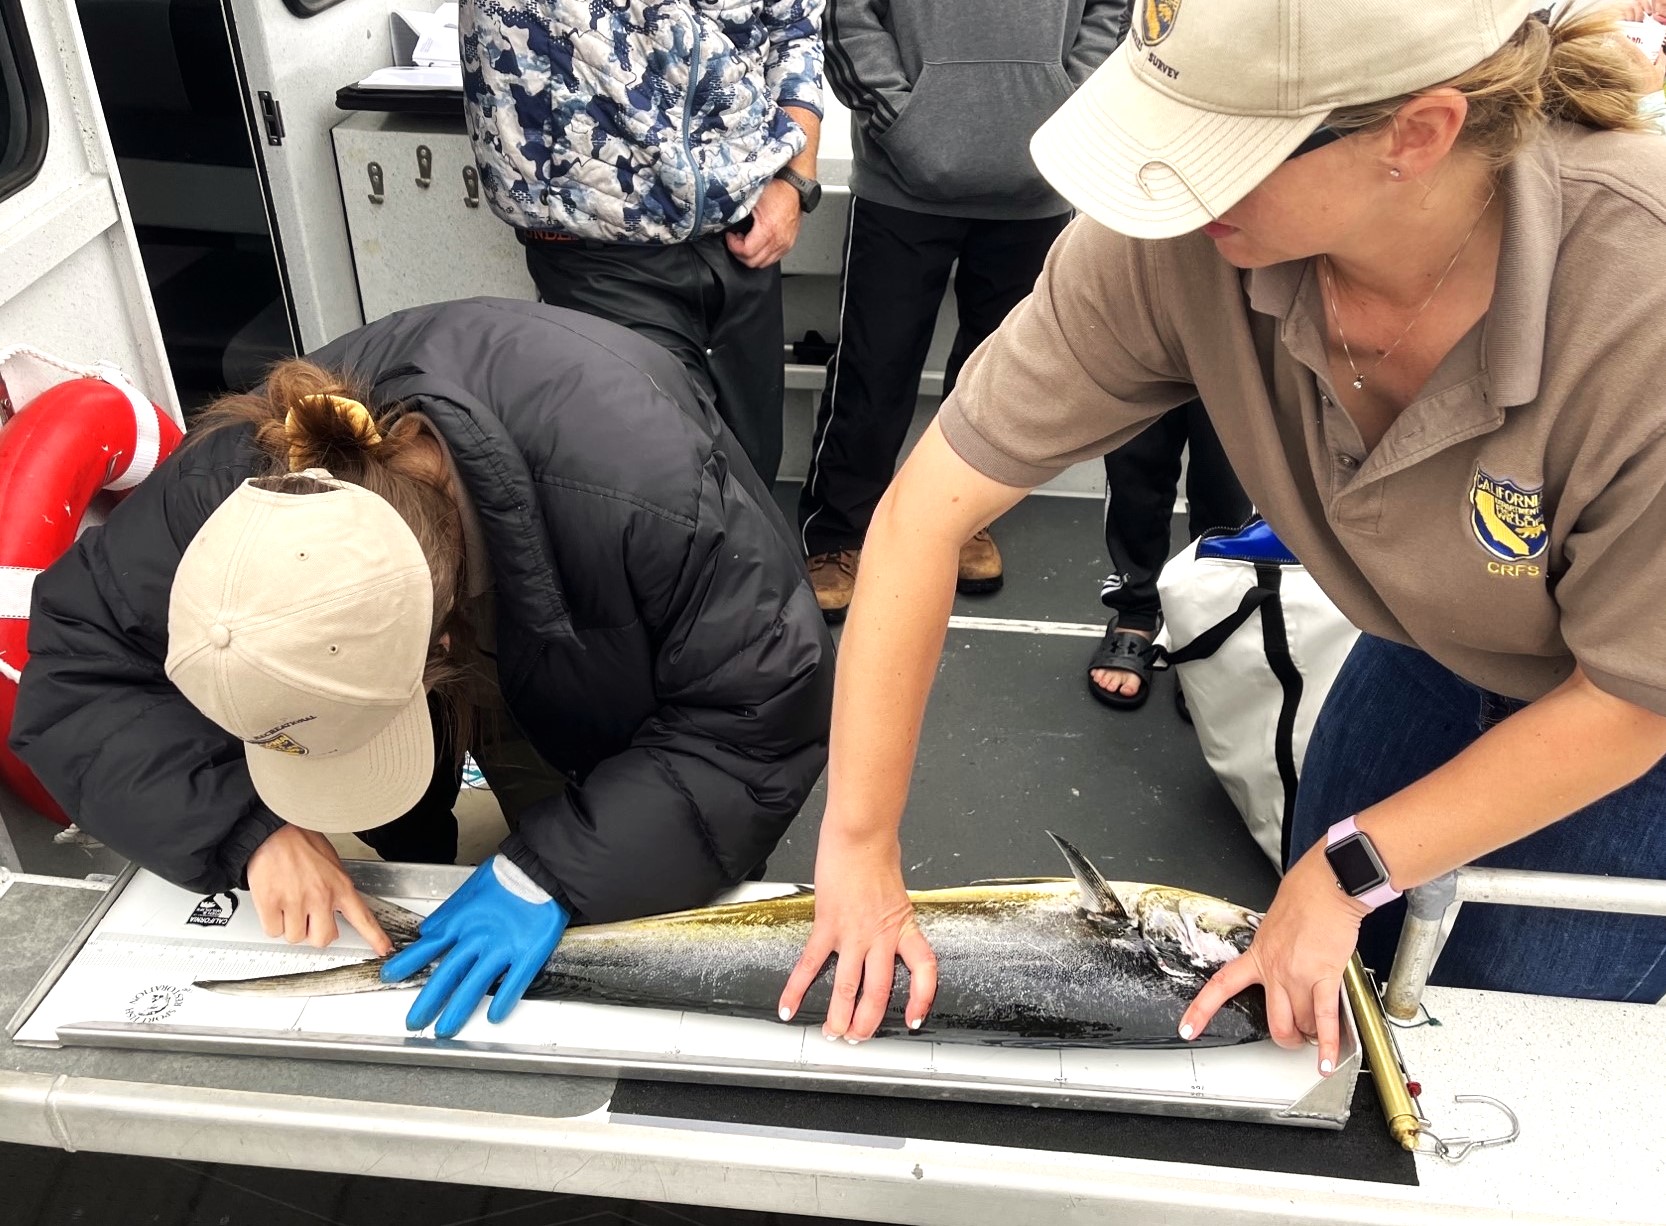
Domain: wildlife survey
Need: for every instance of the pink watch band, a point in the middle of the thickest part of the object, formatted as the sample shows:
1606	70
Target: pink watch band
1378	895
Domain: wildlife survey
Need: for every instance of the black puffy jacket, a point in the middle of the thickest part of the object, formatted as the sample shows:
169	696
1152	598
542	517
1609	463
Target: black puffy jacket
657	641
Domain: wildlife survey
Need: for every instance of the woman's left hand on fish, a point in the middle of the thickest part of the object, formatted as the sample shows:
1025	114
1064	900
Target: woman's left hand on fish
499	928
1298	955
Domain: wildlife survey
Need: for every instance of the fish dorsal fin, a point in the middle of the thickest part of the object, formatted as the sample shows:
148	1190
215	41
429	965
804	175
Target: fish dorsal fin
1097	894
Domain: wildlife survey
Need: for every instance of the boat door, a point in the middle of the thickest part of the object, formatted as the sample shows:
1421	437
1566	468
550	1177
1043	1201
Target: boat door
292	56
71	284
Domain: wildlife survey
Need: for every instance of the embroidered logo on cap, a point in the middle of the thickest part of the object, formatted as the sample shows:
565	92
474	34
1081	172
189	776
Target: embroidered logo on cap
1508	519
1156	19
278	739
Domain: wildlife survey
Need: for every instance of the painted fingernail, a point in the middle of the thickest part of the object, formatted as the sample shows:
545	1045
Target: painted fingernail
853	1042
786	1013
913	1023
831	1038
1326	1067
1186	1031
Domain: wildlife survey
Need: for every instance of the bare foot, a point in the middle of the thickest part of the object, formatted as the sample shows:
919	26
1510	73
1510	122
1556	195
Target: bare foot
1120	680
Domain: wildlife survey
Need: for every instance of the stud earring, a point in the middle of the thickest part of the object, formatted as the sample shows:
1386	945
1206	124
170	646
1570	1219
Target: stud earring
1394	172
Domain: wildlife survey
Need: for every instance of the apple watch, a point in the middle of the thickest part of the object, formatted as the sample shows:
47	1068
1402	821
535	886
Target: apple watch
1359	870
809	191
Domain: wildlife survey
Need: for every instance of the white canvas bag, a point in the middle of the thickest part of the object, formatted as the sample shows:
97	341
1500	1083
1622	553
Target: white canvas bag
1256	646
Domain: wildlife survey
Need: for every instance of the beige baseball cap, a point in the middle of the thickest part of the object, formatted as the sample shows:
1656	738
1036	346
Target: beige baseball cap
300	623
1205	98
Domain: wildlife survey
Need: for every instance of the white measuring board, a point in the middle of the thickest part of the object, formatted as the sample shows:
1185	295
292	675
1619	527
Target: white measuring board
138	966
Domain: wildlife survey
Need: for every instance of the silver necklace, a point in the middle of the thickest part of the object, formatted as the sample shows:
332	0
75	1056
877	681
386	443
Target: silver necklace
1330	276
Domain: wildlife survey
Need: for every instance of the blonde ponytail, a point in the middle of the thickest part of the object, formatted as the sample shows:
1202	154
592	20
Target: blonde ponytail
1579	69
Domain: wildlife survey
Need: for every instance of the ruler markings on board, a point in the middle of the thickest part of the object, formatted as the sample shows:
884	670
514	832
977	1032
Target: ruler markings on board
202	959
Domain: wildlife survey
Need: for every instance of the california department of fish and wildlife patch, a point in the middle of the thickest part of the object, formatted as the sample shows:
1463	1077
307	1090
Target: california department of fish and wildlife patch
1156	20
1508	519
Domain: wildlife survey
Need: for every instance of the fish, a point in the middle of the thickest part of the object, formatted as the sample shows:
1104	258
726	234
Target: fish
1022	962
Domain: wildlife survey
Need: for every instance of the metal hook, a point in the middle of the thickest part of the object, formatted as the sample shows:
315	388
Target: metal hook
1453	1150
1139	177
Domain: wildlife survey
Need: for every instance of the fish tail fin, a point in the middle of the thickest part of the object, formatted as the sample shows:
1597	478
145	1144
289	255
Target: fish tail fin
1097	894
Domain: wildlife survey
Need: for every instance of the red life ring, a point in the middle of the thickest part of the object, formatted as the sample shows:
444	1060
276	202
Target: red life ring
56	454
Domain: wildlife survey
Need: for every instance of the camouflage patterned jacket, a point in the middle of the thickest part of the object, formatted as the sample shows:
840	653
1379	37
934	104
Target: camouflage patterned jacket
635	120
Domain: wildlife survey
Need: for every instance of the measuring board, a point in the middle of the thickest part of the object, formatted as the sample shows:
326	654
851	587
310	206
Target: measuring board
126	981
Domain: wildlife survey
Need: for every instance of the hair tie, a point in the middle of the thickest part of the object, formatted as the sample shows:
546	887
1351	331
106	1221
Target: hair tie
350	410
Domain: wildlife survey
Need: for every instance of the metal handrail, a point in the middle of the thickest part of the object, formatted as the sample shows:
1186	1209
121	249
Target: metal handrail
1427	907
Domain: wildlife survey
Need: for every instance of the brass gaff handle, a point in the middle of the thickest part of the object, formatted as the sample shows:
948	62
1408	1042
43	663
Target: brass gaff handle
1403	1123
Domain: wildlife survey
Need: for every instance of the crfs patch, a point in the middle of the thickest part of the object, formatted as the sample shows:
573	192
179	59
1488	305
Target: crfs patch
1156	20
1509	519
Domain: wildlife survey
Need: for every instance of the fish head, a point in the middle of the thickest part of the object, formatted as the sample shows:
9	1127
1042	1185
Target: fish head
1189	933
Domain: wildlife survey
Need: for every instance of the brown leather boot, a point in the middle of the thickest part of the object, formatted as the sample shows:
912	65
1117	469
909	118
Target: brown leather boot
833	579
980	566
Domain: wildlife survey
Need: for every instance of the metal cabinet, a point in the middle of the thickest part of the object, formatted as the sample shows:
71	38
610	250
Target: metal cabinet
418	226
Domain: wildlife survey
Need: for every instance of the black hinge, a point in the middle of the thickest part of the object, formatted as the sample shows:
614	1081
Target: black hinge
272	115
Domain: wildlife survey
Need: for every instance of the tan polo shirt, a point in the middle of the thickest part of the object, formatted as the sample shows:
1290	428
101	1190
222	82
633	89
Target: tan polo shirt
1511	521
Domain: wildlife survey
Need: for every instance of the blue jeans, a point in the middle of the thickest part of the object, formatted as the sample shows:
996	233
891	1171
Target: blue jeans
1393	716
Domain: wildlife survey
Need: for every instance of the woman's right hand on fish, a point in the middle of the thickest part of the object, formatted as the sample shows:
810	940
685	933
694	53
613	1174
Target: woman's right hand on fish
863	915
298	886
888	658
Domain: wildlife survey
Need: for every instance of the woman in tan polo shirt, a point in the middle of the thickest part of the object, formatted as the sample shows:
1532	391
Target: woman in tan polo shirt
1427	330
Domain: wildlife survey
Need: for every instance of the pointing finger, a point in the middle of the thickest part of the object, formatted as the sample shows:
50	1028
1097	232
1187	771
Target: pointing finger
1226	983
354	911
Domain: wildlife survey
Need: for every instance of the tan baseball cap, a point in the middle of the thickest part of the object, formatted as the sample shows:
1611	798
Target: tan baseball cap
1205	98
300	623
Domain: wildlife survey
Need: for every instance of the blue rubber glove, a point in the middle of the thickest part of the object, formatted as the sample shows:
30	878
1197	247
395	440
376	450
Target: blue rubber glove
499	924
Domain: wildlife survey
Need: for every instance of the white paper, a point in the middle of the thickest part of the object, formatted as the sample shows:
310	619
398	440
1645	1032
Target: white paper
436	77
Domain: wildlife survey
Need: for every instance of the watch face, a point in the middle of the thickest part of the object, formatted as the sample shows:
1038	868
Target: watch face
809	199
1356	868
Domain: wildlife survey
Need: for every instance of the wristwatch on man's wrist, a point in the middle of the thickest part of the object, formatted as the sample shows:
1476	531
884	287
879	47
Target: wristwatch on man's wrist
809	191
1359	870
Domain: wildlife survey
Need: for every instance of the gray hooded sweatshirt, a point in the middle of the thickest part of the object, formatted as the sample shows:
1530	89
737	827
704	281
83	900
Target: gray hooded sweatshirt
945	94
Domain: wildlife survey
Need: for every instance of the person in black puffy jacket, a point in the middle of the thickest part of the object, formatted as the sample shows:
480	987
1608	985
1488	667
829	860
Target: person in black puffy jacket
612	614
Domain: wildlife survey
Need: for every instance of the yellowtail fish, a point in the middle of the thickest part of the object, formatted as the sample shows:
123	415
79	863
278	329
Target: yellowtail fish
1037	962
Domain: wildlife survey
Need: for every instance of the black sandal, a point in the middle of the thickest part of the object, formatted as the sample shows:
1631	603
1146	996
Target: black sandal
1131	653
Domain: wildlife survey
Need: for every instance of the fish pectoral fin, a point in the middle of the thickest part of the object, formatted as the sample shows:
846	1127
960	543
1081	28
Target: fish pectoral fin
1096	892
